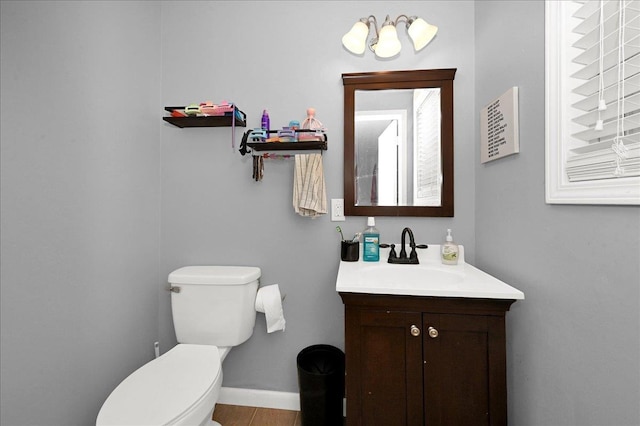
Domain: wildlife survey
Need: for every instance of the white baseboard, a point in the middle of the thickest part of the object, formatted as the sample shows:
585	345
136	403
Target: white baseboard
260	398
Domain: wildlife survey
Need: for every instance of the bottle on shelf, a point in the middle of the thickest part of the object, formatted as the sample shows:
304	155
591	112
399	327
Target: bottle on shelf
265	121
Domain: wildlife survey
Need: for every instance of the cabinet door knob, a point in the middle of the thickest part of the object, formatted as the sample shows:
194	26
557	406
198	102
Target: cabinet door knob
433	333
415	331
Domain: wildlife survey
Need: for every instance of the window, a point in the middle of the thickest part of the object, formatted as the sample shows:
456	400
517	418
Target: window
427	180
593	101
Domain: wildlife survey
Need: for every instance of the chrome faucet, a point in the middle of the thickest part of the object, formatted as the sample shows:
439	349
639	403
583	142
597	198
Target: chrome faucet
412	259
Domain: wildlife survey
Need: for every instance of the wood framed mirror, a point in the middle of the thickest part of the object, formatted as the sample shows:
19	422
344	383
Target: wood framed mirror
398	143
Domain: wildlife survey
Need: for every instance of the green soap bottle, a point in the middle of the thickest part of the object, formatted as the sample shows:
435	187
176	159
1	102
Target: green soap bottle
371	242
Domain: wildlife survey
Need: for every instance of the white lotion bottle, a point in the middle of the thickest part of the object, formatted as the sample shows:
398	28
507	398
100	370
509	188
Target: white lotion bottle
449	250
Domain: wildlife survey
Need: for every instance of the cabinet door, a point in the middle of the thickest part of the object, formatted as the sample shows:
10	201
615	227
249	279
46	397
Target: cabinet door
464	370
384	368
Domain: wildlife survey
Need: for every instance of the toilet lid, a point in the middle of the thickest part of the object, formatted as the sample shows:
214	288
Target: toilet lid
163	389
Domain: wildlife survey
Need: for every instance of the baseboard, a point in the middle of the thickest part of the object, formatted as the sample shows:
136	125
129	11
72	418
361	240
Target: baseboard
260	398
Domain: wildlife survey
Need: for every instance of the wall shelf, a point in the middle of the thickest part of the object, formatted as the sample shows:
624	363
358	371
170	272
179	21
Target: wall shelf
288	146
305	145
206	121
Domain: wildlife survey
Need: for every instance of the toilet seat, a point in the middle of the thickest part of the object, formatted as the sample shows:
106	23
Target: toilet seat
183	384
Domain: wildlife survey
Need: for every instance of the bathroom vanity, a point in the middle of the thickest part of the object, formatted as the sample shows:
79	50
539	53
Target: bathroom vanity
424	344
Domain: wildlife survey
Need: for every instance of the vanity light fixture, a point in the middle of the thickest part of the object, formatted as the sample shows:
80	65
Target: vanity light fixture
385	44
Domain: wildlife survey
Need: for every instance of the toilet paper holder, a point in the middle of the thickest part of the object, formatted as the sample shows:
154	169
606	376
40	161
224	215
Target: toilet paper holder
282	295
269	301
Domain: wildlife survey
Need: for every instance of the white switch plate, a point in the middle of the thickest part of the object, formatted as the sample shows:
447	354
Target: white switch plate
337	210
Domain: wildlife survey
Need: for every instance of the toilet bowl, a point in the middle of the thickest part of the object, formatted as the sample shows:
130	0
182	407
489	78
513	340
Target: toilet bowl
213	310
179	388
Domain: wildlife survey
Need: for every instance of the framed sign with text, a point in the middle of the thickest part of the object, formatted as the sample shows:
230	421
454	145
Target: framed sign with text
499	127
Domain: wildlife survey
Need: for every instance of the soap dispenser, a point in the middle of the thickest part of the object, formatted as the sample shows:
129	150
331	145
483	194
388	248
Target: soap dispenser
449	250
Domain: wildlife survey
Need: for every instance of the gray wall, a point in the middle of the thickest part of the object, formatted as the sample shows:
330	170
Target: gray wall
289	58
80	204
574	349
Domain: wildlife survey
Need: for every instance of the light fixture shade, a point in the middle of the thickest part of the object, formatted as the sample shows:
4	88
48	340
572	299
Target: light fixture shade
388	44
421	33
355	40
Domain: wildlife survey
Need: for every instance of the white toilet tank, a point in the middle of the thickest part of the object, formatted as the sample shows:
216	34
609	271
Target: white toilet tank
214	305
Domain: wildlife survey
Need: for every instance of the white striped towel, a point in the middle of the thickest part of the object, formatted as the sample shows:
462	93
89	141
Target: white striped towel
309	192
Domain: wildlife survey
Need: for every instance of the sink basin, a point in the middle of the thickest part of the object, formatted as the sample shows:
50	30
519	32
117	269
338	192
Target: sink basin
429	278
410	275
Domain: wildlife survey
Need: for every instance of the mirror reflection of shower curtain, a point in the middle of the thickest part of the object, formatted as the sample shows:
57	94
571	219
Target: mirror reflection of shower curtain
374	185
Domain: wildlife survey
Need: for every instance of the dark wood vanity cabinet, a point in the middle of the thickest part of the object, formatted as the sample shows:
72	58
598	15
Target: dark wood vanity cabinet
425	360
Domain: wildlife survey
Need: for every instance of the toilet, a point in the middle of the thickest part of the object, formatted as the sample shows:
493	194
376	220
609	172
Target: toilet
213	310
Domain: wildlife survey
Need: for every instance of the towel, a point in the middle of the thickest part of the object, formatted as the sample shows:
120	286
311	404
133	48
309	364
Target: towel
309	192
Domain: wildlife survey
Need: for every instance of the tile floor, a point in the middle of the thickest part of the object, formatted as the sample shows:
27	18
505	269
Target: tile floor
235	415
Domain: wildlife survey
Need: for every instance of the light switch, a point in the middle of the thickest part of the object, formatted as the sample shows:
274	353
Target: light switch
337	210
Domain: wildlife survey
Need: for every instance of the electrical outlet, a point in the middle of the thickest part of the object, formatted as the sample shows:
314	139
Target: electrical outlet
337	210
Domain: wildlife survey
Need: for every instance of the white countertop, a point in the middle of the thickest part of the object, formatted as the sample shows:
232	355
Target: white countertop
429	278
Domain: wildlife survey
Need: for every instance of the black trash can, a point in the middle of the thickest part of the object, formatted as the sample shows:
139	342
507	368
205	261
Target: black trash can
321	383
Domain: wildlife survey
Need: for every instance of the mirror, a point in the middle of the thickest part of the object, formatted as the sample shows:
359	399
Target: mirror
398	143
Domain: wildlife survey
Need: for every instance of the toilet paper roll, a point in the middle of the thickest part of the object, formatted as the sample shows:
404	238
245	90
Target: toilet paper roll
269	301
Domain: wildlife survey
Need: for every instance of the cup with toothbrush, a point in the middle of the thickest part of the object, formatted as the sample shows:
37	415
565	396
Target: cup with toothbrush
349	249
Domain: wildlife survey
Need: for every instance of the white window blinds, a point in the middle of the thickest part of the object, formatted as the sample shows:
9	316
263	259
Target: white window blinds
605	81
427	184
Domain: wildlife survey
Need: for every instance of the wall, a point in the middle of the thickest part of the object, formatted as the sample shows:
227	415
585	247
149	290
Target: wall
285	56
82	299
80	204
574	349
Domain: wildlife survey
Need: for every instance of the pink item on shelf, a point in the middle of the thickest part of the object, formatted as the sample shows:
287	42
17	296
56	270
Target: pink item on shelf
311	122
209	108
